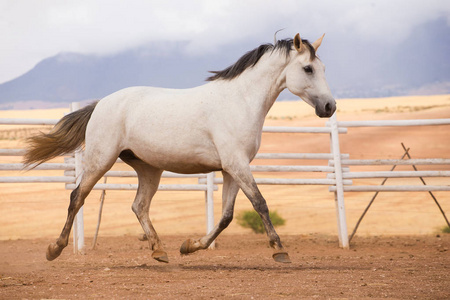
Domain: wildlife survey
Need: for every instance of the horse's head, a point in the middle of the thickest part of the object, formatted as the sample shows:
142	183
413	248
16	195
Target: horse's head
305	77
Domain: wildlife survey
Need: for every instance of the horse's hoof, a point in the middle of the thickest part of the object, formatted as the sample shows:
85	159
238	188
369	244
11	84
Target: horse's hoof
160	256
53	251
186	247
281	257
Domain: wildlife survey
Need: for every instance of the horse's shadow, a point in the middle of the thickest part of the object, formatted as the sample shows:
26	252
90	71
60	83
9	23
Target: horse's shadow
223	267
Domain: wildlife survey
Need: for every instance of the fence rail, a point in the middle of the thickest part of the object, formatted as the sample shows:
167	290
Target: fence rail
7	121
346	174
36	179
284	129
394	188
44	166
12	152
392	174
393	123
391	162
162	187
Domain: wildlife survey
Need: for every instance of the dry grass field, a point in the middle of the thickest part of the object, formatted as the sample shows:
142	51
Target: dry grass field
39	210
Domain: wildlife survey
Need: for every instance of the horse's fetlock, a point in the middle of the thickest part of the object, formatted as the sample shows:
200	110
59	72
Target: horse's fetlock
272	244
62	243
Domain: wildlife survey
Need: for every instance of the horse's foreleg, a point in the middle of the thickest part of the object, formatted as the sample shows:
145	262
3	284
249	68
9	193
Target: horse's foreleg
148	185
246	182
230	190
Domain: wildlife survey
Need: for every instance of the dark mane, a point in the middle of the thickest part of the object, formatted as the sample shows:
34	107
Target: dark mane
252	57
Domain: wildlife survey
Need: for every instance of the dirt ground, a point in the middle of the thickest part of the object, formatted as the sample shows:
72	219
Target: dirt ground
398	251
241	267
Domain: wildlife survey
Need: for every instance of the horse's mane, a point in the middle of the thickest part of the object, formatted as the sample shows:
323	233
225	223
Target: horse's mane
250	59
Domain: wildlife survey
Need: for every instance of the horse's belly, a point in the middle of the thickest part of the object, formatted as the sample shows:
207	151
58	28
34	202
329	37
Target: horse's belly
186	159
183	165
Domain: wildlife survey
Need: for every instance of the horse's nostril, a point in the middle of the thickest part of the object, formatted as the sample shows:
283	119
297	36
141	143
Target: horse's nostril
328	107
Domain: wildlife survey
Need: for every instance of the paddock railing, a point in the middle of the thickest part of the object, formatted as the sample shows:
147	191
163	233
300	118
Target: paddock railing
414	173
430	167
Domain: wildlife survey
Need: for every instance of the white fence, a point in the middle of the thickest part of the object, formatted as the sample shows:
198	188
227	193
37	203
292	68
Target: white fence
337	174
425	162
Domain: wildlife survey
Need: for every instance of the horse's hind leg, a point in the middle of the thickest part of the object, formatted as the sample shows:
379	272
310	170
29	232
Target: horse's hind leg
230	190
149	178
148	185
90	177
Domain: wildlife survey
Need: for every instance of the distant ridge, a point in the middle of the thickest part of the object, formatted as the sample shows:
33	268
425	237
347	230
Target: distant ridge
411	68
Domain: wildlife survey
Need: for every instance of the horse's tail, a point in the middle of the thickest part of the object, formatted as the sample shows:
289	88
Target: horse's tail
66	136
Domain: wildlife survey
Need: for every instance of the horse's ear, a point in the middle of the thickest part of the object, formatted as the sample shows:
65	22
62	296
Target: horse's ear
298	43
317	43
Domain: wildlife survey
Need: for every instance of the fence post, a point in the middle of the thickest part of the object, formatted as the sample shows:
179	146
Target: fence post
339	194
78	223
209	195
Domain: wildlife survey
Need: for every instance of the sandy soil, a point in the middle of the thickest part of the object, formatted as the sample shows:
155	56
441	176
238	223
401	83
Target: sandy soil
407	267
396	265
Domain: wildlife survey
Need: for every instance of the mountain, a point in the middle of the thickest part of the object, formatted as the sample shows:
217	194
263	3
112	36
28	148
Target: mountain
71	77
417	65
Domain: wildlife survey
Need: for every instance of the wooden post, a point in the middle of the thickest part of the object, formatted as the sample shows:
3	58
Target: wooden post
209	197
100	210
339	194
78	223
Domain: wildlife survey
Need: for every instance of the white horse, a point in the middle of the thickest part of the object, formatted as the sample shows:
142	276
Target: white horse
213	127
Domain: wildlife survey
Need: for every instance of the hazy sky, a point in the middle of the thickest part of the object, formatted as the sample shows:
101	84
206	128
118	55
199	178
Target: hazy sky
33	30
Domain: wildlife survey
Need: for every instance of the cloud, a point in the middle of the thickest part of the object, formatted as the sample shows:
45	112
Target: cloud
33	30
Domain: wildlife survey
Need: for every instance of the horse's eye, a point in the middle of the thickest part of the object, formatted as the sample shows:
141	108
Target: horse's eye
308	69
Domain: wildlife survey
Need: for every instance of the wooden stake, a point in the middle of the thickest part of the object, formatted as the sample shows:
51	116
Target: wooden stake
102	199
373	199
431	193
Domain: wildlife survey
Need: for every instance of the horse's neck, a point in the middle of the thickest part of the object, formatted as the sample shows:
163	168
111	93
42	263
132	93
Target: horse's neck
259	86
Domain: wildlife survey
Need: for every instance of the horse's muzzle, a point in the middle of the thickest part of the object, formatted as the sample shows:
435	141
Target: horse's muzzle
326	110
